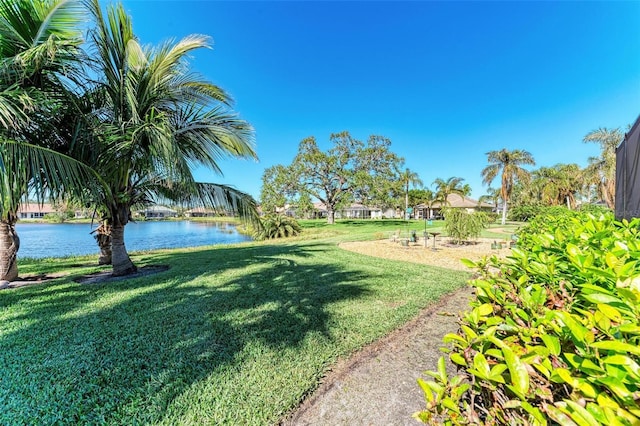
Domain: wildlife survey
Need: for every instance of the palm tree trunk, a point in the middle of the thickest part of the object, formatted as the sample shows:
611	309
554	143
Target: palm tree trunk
103	238
9	246
406	202
122	264
504	212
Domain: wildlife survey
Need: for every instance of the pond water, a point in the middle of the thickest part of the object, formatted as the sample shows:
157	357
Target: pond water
38	240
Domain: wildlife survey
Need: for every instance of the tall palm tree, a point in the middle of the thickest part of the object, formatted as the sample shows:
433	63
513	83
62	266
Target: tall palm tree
601	170
156	121
39	52
408	178
507	164
444	188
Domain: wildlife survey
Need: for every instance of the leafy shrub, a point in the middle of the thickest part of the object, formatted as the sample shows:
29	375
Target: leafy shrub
527	213
278	226
524	213
491	216
554	335
595	209
462	226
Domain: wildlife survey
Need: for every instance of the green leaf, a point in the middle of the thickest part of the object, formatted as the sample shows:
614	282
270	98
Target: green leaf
442	369
597	412
614	345
624	360
562	375
450	404
580	415
429	396
573	250
480	363
617	387
610	312
552	343
630	328
456	358
577	330
485	309
587	389
535	412
555	414
600	298
611	260
451	337
469	332
469	263
517	369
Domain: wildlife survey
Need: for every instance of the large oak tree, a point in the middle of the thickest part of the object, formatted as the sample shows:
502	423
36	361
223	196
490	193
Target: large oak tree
350	170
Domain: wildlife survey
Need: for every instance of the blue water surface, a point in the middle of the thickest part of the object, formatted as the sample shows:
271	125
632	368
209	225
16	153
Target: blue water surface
39	240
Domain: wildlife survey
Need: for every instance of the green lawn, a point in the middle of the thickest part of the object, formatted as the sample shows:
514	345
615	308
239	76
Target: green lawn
228	335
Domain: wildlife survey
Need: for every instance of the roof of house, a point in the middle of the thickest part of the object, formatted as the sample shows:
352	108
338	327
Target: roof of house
158	209
35	208
200	210
458	201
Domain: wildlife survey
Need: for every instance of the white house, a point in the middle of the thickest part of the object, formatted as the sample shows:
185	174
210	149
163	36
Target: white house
158	212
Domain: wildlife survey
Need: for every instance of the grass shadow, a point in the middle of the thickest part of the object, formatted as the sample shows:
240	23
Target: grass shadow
124	351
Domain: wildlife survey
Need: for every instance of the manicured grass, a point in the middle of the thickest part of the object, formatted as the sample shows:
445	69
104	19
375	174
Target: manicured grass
356	230
228	335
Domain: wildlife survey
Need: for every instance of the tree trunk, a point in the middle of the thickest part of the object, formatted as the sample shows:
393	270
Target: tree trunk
9	246
406	203
504	212
122	264
103	238
331	216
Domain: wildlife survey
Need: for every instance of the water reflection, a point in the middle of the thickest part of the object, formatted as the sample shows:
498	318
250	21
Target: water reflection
40	240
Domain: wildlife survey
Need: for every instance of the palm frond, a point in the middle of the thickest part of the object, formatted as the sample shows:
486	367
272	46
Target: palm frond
43	173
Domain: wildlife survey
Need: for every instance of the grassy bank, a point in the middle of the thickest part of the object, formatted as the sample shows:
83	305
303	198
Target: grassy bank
228	335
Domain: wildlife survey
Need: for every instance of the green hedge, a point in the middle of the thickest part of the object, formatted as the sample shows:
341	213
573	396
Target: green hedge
554	335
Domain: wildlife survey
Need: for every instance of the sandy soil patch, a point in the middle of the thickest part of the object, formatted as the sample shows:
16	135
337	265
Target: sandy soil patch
446	254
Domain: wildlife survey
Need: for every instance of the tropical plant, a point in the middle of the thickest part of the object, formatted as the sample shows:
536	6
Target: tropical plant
444	188
278	226
153	121
492	196
408	178
507	164
39	63
553	335
557	185
601	171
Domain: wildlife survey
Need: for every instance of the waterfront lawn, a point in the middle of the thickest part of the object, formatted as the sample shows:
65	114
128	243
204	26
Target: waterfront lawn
228	335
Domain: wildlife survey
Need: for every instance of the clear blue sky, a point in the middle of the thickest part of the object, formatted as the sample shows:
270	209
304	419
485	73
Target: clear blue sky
445	81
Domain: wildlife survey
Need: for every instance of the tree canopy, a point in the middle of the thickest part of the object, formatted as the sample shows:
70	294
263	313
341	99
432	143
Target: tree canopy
507	164
350	170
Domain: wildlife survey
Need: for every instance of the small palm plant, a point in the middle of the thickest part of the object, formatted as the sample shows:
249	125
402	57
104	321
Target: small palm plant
278	226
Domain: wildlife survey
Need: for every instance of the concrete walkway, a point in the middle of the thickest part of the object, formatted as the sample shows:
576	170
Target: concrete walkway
377	386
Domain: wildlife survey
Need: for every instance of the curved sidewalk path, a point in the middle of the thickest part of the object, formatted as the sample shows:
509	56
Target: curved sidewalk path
377	386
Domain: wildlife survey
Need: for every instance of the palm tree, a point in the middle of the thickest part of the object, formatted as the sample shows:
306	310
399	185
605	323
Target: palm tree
444	188
39	52
155	121
507	163
601	170
408	178
557	185
492	195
